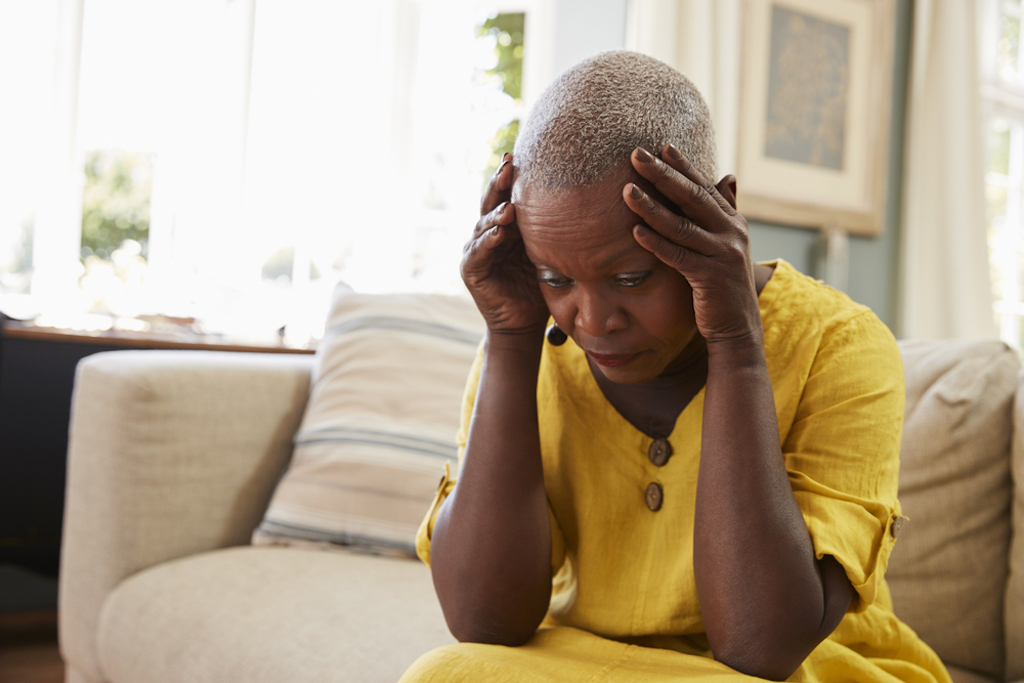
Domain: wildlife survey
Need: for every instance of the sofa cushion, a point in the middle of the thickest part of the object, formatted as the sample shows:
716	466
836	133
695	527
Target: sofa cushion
380	423
949	567
270	615
964	676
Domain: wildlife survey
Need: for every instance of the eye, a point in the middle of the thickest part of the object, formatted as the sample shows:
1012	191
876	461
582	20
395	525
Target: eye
632	279
554	281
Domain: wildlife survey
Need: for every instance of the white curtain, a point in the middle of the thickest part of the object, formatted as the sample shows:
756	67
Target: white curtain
945	291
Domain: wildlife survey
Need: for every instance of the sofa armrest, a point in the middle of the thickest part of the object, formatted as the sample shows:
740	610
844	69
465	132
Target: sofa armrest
170	453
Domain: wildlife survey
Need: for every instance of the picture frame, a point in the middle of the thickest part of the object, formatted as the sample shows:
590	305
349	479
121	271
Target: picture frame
815	103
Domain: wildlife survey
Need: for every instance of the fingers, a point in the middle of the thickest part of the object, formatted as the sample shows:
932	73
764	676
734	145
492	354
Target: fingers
668	224
486	246
671	253
727	188
683	185
709	225
499	188
503	214
478	256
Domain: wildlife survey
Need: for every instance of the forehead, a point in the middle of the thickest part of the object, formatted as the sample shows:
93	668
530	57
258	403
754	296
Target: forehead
576	220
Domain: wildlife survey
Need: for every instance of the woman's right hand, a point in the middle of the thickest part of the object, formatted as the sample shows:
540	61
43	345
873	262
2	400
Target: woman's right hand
495	268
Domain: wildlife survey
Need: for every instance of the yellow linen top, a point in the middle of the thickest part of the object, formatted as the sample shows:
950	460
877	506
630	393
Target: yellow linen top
625	573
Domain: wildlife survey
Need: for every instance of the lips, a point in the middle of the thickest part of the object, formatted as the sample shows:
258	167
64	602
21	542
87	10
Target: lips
612	360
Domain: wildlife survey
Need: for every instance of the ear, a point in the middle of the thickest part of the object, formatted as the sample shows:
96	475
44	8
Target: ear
727	188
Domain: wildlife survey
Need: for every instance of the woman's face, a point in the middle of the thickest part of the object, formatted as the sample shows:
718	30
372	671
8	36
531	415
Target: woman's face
631	313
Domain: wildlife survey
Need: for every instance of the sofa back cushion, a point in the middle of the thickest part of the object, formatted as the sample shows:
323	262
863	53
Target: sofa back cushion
381	422
949	568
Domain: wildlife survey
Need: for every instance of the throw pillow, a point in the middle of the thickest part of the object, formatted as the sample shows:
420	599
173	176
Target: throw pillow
949	567
381	420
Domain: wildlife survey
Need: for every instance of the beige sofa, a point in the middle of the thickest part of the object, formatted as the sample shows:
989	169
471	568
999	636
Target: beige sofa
174	456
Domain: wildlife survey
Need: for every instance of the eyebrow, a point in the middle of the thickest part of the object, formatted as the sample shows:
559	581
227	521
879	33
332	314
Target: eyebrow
615	257
603	264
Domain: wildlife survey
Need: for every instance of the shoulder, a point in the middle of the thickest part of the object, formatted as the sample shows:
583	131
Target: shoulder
803	316
826	353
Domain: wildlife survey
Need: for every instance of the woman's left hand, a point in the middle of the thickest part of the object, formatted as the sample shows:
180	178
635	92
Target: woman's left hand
703	237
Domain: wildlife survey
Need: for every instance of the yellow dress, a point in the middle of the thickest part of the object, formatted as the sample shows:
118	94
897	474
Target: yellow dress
624	603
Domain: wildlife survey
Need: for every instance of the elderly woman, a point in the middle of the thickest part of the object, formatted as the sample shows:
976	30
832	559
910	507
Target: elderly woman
694	476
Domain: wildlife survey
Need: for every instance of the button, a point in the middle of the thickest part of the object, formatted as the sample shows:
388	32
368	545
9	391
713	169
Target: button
897	525
653	496
659	452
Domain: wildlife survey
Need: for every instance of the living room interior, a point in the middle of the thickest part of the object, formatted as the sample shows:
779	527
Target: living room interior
174	189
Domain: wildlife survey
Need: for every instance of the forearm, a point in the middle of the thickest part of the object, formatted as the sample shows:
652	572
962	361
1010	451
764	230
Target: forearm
491	544
761	591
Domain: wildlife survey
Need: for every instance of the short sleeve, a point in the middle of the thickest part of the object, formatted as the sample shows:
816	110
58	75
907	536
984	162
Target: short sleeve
842	451
447	483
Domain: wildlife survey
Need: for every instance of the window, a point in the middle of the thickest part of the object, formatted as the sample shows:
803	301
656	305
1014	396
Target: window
1003	98
227	162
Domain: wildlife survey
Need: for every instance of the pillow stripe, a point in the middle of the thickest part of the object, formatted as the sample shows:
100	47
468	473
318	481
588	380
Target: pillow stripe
377	438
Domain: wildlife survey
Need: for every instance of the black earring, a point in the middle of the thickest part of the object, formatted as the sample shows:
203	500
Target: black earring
555	335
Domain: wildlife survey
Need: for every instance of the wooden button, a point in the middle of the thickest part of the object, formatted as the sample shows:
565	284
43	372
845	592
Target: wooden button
659	452
897	525
653	496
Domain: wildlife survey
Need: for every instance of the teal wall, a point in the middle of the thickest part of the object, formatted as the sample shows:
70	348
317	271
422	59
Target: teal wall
584	27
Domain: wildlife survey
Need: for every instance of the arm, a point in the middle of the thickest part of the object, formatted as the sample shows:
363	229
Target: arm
491	544
765	599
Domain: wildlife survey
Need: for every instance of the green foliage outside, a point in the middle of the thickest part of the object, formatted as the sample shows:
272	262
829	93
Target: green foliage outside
115	202
507	30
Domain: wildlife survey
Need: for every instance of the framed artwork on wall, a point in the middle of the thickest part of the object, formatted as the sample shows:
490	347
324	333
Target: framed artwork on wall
815	96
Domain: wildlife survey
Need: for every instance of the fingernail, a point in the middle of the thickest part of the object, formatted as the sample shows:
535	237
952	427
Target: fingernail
636	193
506	156
643	155
641	230
674	153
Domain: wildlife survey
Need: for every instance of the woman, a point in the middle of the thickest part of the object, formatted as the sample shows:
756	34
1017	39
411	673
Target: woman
701	482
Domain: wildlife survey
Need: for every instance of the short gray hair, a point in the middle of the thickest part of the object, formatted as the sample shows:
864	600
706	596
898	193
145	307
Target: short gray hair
594	115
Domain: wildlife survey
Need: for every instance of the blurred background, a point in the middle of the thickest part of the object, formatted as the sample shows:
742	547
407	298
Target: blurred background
215	167
210	169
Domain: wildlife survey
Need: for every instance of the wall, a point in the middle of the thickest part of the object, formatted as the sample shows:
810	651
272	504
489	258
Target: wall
583	27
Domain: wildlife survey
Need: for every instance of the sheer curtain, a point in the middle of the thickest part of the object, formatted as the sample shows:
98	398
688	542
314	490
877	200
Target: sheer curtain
945	291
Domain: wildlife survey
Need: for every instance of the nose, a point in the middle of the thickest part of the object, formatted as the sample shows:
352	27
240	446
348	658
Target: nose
598	314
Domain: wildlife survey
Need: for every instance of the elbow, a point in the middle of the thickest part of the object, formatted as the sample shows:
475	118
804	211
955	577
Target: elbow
760	665
477	631
512	621
766	657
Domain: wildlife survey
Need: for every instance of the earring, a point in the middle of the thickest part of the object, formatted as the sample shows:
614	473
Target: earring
555	335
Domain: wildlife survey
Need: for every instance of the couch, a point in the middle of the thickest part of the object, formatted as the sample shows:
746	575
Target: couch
174	456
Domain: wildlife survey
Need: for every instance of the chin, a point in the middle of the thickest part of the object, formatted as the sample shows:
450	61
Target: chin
626	374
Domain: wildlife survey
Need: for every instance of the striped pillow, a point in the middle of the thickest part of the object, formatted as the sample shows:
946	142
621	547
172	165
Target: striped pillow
380	423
